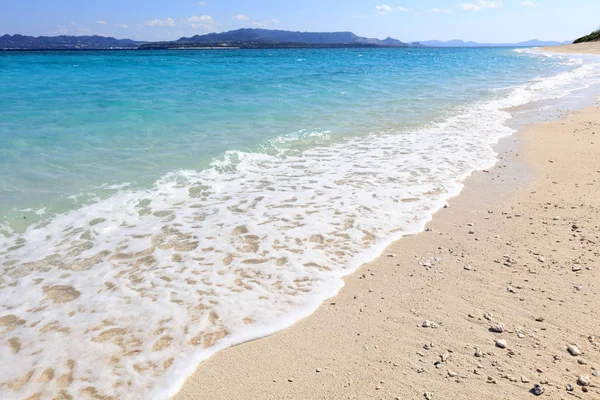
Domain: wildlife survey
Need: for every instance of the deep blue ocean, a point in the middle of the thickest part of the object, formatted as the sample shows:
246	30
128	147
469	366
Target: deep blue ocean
157	207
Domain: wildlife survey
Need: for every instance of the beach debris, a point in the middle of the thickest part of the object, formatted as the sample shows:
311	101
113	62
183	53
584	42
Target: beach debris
538	389
584	380
576	268
428	396
497	328
573	350
452	374
524	379
501	343
487	316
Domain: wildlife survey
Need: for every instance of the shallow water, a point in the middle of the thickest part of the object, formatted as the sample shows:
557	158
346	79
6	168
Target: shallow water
160	206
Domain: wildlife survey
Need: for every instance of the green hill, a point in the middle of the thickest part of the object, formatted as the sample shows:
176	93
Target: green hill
592	37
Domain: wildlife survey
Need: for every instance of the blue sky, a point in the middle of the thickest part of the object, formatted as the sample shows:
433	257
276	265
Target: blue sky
407	20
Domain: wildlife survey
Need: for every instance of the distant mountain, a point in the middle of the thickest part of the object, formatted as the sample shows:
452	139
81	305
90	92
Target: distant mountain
20	42
248	35
592	37
460	43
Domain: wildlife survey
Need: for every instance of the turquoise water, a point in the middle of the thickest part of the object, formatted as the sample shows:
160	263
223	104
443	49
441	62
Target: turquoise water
71	122
157	207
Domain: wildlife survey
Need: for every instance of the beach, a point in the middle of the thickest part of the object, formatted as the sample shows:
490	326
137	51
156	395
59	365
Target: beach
499	294
334	224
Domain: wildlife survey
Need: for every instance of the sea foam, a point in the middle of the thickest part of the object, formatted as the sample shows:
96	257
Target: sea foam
125	296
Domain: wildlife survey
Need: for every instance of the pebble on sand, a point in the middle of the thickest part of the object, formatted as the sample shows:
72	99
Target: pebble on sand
574	350
501	343
584	380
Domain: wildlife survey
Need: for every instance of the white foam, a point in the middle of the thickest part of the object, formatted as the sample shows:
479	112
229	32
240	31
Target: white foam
138	288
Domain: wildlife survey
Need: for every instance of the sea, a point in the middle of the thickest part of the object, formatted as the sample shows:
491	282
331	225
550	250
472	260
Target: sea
159	206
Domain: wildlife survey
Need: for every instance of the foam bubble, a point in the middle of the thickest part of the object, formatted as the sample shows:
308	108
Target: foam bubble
124	297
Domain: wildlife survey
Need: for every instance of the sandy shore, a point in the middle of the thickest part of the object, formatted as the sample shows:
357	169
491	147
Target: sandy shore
580	48
481	306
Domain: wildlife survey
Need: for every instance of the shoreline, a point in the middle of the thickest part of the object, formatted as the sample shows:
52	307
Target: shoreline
343	349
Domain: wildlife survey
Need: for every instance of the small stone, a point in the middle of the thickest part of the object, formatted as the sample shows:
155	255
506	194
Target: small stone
576	268
290	380
540	319
428	396
452	374
487	316
583	380
497	328
319	370
574	350
581	361
491	380
478	353
596	373
541	259
538	389
524	379
468	267
501	343
429	324
471	232
569	387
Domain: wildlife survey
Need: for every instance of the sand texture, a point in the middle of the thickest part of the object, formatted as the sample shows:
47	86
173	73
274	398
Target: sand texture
579	48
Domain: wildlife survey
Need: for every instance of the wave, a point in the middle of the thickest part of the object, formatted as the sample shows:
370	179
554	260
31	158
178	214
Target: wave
125	296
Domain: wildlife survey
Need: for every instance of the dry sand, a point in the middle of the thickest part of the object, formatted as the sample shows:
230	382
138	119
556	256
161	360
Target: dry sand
518	252
580	48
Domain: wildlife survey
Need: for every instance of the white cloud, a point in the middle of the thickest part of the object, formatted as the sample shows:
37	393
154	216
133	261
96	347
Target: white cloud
383	9
403	9
122	26
264	24
241	17
528	3
101	22
161	22
441	10
202	3
481	4
201	21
